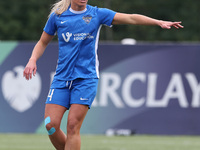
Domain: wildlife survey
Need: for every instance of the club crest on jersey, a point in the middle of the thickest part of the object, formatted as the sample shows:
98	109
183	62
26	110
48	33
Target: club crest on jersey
87	19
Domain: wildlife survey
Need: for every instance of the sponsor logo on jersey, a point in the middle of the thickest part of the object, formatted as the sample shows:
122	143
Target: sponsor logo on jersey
87	19
66	36
76	36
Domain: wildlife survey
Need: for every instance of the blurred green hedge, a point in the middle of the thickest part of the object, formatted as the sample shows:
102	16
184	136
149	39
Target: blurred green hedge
24	20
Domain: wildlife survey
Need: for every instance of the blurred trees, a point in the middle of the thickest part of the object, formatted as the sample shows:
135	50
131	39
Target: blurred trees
25	19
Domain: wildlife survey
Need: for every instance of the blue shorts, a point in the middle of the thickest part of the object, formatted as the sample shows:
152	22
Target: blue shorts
78	91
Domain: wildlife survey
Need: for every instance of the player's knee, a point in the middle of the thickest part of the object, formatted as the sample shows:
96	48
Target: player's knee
50	126
73	127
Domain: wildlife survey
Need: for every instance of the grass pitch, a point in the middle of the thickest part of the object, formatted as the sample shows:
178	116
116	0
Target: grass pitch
100	142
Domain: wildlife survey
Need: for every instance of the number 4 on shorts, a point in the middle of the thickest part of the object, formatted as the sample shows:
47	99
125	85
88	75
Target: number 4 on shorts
50	94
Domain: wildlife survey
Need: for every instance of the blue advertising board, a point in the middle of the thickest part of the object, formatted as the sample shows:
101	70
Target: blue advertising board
146	88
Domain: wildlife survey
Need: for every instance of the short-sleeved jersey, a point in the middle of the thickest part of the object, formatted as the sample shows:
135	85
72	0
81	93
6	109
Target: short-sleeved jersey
78	36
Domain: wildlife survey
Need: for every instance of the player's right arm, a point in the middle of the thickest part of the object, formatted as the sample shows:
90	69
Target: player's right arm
38	50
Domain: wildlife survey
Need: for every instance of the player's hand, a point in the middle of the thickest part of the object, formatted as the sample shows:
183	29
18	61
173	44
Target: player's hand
168	24
30	69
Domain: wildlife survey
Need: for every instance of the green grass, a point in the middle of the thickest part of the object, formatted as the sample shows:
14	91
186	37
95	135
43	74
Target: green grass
100	142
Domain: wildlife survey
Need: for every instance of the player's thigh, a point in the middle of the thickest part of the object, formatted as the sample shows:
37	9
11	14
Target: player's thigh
76	115
54	113
56	104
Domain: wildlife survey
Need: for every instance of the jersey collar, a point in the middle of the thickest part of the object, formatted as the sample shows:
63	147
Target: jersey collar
77	12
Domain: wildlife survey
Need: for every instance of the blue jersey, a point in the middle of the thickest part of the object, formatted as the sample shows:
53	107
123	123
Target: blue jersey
78	35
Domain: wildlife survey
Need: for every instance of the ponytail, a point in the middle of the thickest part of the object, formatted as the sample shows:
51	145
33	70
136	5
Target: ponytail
60	7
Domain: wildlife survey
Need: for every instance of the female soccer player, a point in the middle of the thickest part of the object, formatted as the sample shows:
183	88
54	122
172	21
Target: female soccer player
75	83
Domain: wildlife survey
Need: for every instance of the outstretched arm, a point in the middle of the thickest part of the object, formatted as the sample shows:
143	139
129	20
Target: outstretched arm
38	50
136	19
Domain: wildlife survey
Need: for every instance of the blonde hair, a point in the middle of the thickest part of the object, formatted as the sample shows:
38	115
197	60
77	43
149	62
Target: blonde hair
60	7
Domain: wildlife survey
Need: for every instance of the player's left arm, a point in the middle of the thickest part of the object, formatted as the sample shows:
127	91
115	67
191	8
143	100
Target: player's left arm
137	19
